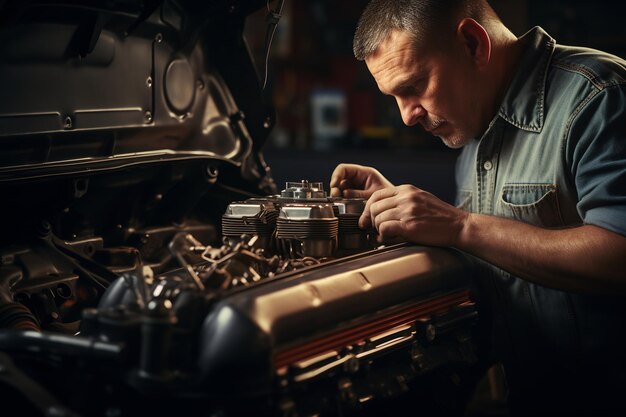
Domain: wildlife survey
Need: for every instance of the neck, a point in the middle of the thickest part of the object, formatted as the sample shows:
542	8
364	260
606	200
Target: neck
506	53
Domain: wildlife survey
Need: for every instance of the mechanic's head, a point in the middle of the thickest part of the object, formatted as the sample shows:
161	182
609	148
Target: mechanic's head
444	61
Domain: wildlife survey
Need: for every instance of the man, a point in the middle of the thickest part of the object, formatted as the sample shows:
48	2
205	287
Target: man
541	187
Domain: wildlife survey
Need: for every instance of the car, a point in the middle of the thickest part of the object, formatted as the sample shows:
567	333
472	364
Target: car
150	264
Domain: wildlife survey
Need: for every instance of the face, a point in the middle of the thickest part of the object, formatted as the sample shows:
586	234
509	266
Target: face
436	89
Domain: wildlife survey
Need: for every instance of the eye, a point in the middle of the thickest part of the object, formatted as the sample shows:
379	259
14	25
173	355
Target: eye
411	88
407	90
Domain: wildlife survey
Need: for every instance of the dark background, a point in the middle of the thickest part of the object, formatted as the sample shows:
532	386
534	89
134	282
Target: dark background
311	63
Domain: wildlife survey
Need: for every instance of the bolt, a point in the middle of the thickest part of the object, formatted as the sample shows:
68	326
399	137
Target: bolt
149	82
158	38
67	123
267	123
147	117
200	84
212	171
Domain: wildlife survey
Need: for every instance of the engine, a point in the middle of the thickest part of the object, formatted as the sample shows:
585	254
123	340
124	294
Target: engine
297	312
149	265
301	222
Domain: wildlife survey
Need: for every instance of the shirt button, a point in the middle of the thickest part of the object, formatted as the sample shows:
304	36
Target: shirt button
487	165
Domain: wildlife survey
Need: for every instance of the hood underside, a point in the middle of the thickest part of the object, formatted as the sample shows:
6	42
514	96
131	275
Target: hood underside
90	86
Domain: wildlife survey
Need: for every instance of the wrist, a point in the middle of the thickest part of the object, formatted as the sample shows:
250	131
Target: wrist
465	227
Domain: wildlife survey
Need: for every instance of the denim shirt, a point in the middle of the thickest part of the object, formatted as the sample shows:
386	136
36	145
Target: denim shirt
554	157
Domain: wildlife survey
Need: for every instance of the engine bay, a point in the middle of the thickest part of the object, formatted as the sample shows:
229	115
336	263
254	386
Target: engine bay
291	307
261	238
150	265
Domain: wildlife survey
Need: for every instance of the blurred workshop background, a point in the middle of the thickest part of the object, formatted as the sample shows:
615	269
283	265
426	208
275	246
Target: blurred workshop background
330	111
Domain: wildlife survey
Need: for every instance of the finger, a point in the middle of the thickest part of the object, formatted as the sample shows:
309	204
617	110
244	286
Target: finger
381	206
390	229
385	216
346	189
342	172
337	175
390	241
335	192
340	182
338	189
365	219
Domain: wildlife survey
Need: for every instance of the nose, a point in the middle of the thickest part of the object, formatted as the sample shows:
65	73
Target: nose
410	111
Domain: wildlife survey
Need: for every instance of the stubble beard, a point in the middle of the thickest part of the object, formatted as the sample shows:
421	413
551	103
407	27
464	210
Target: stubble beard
454	142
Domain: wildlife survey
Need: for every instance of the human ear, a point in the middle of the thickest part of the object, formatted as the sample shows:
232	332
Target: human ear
476	40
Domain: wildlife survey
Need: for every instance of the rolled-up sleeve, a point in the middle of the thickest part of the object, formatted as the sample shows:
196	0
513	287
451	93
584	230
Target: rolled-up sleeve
596	149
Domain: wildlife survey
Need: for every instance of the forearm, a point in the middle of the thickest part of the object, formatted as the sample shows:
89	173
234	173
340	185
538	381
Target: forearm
582	259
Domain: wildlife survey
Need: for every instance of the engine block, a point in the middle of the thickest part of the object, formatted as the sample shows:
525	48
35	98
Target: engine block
298	313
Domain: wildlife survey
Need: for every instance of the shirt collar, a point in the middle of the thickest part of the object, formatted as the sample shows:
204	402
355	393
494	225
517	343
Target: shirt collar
523	104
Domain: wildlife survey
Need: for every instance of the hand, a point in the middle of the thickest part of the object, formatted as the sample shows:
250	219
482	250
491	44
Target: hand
411	214
350	181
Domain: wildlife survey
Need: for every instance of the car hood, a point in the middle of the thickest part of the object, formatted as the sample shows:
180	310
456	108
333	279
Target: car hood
91	86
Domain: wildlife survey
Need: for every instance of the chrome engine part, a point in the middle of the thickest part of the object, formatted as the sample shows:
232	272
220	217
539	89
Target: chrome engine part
252	217
301	222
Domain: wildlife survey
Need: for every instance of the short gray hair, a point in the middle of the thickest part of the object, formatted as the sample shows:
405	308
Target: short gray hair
416	17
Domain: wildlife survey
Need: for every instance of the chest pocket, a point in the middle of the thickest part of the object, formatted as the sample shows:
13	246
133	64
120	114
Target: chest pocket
536	204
